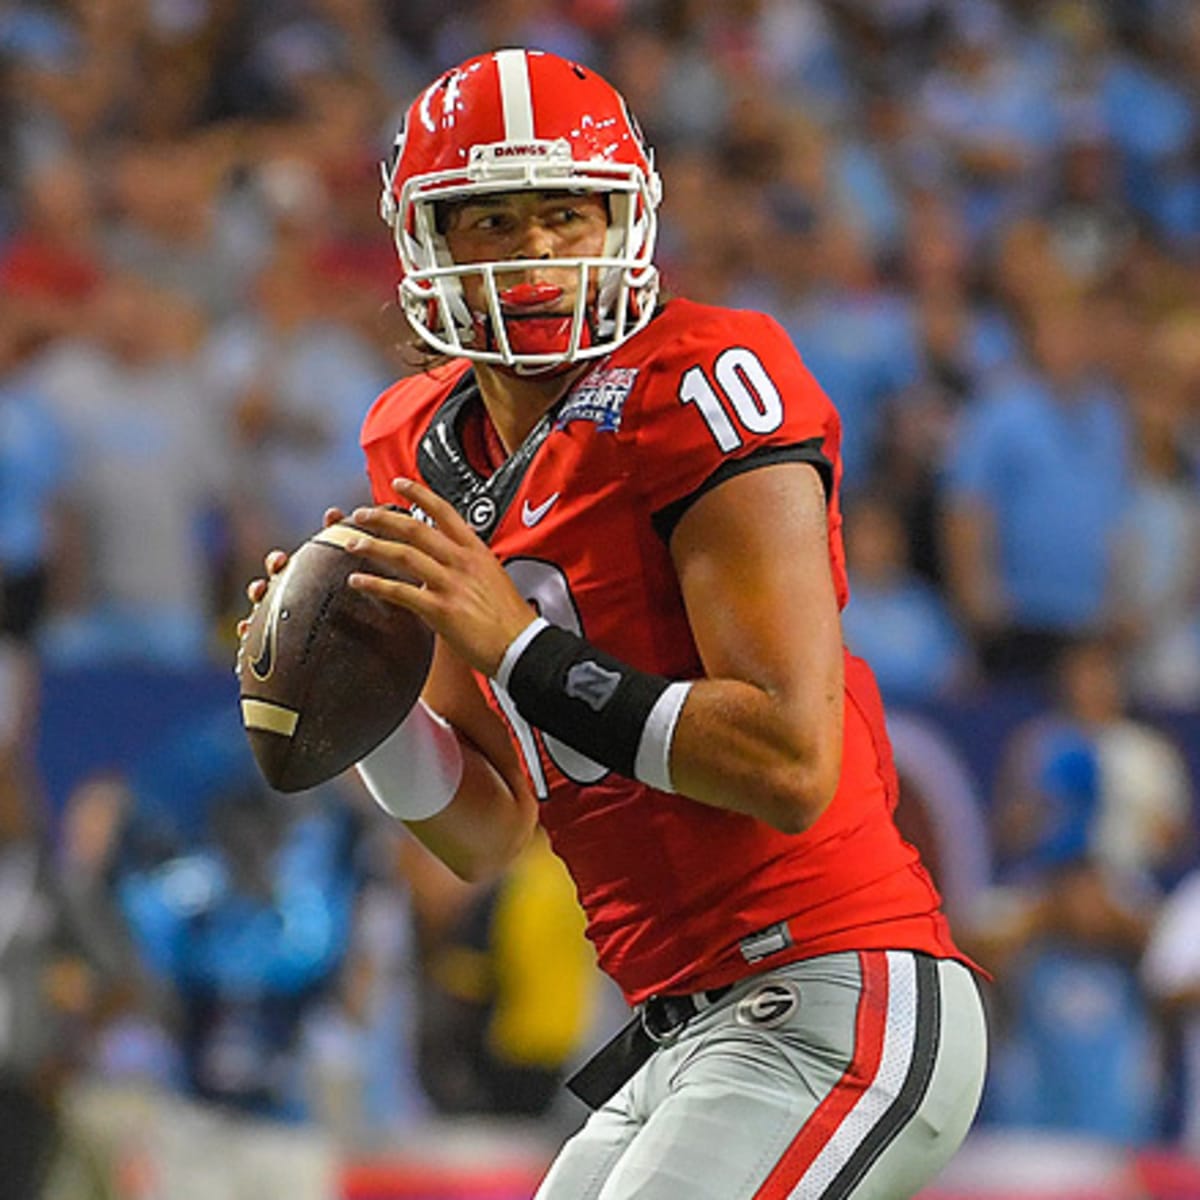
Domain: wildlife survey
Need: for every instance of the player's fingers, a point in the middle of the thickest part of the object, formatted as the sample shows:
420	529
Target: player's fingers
275	561
417	600
256	589
398	526
332	517
410	562
413	596
444	514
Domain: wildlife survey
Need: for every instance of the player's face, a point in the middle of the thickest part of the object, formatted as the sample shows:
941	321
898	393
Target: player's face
528	225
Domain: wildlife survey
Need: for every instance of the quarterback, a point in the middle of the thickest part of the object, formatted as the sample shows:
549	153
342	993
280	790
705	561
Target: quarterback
629	547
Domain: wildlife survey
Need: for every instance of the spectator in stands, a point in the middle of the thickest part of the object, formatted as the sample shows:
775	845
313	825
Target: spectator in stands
54	977
853	334
985	107
53	262
1171	974
657	67
1145	101
354	273
1033	492
171	224
871	165
172	88
292	383
508	986
360	1044
1156	577
695	258
70	77
246	919
1089	756
1094	807
33	477
131	1039
134	578
895	619
958	346
1082	218
1076	1048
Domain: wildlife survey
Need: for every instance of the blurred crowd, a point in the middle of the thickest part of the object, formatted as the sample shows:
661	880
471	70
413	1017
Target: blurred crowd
979	221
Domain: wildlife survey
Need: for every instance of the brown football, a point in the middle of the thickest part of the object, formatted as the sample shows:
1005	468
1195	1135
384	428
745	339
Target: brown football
325	672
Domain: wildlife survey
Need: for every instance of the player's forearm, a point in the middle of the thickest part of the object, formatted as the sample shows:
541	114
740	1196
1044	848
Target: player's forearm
735	747
721	742
1183	1000
450	794
484	828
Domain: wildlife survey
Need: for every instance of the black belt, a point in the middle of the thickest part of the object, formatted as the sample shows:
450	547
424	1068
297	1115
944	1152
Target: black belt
657	1022
664	1016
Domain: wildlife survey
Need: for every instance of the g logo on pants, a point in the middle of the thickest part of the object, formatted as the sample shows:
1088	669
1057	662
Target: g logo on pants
768	1006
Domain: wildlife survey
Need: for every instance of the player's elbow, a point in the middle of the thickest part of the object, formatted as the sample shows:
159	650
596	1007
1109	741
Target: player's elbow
480	863
799	790
475	868
479	836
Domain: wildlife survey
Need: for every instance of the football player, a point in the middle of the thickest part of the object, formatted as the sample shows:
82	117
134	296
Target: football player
629	546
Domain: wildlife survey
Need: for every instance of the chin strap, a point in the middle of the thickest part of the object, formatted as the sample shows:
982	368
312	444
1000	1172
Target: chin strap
534	335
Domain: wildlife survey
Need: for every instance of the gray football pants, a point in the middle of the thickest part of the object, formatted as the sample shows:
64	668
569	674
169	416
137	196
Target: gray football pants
853	1076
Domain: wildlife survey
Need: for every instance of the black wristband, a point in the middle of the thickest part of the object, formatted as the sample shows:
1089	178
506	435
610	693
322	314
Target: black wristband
589	700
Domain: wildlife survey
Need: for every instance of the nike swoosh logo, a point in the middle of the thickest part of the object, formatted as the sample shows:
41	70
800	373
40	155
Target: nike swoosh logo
530	515
263	662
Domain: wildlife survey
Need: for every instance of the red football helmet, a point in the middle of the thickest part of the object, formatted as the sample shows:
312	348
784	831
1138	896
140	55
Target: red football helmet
522	120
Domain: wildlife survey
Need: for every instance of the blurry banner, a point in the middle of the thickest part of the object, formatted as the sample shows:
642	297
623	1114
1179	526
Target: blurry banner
412	1180
1021	1165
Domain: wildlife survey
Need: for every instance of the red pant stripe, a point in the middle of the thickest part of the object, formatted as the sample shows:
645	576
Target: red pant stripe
869	1024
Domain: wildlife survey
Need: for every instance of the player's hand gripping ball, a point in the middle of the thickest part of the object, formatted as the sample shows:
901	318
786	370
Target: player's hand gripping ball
325	672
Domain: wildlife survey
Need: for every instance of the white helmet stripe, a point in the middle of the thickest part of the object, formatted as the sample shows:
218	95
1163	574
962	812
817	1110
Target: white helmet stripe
515	95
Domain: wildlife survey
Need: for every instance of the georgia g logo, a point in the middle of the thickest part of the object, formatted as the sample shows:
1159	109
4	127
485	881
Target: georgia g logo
768	1006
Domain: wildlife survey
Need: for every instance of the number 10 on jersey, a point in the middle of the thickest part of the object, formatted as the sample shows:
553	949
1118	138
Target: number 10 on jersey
747	397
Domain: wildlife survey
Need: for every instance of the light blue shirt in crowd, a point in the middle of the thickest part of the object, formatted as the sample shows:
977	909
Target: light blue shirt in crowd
859	349
33	464
1053	472
1082	1056
907	636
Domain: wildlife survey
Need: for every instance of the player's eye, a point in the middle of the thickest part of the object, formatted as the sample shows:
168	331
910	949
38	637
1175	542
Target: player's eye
492	222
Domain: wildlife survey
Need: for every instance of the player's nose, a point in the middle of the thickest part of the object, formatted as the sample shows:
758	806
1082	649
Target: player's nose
535	241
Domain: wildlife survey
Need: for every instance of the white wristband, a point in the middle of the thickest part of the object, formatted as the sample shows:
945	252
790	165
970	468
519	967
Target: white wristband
653	765
415	771
515	649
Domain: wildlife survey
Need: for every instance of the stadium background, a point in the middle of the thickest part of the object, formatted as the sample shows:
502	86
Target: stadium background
962	211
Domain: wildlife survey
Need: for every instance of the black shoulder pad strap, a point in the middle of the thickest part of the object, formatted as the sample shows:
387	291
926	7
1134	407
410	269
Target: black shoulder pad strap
482	500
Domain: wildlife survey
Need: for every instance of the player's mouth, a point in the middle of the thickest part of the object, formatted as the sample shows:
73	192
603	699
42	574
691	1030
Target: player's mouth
527	299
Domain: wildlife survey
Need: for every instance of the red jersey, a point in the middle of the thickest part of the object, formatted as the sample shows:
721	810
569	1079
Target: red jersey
679	896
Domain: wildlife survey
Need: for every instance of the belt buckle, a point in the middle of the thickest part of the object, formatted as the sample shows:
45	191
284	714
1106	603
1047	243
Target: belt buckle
660	1037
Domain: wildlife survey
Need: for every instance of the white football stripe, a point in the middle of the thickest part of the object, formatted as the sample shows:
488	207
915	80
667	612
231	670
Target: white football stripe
336	535
515	95
899	1037
271	717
